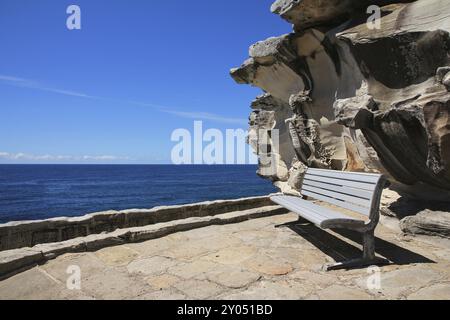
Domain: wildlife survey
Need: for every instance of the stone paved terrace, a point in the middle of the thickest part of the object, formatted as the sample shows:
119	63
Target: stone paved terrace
248	260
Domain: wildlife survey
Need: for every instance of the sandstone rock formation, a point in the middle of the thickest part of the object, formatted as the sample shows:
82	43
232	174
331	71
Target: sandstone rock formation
347	92
428	222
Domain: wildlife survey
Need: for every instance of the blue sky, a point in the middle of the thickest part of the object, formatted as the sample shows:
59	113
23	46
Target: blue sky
114	91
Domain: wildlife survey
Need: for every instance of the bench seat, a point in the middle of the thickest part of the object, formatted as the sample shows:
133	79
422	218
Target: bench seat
357	194
322	217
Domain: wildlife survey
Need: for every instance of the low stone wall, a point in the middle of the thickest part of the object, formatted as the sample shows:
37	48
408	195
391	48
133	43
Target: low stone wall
17	260
22	234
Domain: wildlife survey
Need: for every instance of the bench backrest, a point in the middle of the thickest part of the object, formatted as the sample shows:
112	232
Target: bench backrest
358	192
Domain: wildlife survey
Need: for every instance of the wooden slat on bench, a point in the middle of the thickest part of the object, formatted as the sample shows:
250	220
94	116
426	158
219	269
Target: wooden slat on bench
331	214
342	204
364	194
339	196
298	204
340	182
310	215
336	218
312	212
359	177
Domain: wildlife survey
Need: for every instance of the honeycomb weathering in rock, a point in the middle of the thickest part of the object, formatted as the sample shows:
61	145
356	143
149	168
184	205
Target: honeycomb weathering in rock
345	96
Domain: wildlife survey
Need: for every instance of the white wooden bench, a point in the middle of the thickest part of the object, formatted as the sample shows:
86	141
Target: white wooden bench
358	193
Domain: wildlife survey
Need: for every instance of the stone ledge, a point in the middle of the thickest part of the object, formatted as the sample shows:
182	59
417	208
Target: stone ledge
17	259
14	235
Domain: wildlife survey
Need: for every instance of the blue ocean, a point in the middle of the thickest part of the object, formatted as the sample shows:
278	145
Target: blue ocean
29	192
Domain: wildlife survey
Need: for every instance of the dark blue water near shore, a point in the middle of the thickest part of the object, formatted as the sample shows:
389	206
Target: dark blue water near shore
29	192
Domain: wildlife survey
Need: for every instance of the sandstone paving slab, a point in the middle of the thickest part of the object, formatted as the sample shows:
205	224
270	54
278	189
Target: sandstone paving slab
87	263
178	237
267	265
113	285
316	279
419	248
220	242
399	283
191	269
199	289
272	238
117	256
443	254
354	275
185	251
268	290
434	292
443	268
262	242
167	294
163	281
255	224
146	249
436	242
97	279
340	292
149	266
188	248
231	276
255	236
360	277
215	243
205	233
235	255
34	284
289	239
298	259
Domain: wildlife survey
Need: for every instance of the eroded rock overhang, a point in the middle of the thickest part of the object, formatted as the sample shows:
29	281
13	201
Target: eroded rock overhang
348	97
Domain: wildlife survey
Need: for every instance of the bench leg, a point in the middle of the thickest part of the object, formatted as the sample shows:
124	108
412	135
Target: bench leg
369	258
369	245
356	263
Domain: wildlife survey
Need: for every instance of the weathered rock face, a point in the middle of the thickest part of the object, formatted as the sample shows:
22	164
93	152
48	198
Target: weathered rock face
428	223
343	94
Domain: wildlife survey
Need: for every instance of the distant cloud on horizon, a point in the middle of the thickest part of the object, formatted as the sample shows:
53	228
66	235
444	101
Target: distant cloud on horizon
31	84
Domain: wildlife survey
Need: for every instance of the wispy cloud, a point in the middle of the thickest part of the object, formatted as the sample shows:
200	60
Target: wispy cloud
31	84
207	116
193	115
11	79
60	158
67	93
